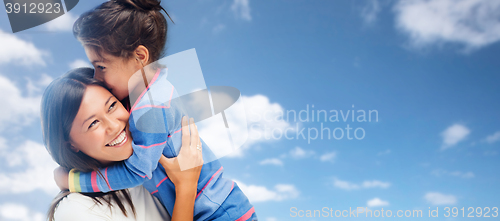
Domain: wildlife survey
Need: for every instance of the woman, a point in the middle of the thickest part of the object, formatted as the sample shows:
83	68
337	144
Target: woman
66	103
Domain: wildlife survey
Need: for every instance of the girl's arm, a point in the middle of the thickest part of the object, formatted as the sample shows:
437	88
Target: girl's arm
184	171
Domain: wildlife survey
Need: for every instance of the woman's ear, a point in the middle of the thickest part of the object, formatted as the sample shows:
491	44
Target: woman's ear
73	148
142	55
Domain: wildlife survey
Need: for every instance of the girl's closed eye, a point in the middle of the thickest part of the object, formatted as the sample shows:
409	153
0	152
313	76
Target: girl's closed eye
100	67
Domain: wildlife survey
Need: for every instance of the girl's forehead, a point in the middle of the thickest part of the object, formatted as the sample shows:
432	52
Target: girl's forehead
95	55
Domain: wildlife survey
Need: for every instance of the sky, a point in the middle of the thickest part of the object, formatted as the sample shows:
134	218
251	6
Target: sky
420	76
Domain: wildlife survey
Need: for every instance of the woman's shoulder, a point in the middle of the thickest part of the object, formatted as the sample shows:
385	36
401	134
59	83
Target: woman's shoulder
77	207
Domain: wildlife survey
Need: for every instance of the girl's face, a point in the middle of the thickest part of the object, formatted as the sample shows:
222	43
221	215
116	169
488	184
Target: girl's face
114	71
100	128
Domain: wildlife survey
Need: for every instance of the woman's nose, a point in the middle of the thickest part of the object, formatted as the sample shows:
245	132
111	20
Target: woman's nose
113	125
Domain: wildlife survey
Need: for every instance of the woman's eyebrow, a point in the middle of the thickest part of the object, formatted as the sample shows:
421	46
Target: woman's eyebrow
108	100
93	115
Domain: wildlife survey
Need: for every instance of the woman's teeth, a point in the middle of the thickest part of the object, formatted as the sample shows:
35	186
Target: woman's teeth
118	140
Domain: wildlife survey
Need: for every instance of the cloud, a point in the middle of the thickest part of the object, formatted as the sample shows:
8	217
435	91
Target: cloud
271	219
493	138
18	110
471	23
453	135
262	119
376	183
62	23
262	194
272	161
376	202
37	168
78	63
11	211
440	172
241	9
370	11
328	157
36	87
299	153
14	50
437	199
218	28
346	185
384	152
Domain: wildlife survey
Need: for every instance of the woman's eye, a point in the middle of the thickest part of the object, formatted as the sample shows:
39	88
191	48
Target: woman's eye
100	67
112	106
93	123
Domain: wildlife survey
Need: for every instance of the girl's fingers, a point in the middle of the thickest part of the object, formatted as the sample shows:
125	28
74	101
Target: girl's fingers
194	134
197	134
186	138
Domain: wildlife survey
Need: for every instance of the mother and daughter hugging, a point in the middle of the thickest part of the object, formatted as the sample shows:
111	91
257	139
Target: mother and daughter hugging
110	169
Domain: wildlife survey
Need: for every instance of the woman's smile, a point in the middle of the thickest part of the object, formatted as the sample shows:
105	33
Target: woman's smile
119	140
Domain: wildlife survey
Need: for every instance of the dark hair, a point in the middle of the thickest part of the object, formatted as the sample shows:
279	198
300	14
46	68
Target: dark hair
118	27
60	104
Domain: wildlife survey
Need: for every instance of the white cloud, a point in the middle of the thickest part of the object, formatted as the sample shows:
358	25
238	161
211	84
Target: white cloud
218	28
493	138
11	211
471	23
376	202
436	198
241	8
36	87
384	152
62	23
370	11
271	219
37	172
272	161
78	63
454	134
18	110
462	174
376	183
440	172
262	119
14	50
299	153
262	194
328	157
346	185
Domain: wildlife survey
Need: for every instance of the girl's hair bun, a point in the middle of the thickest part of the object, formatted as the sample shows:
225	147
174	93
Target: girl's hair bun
145	5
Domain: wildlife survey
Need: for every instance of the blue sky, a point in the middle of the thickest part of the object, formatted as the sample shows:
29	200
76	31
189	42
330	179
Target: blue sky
428	67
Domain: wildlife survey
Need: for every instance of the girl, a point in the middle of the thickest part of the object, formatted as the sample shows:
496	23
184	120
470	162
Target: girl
121	37
67	104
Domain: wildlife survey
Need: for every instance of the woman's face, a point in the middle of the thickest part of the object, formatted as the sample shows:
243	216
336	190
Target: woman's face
114	71
100	128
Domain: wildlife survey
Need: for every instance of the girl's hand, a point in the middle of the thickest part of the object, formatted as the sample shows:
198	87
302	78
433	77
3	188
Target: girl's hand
184	170
61	178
